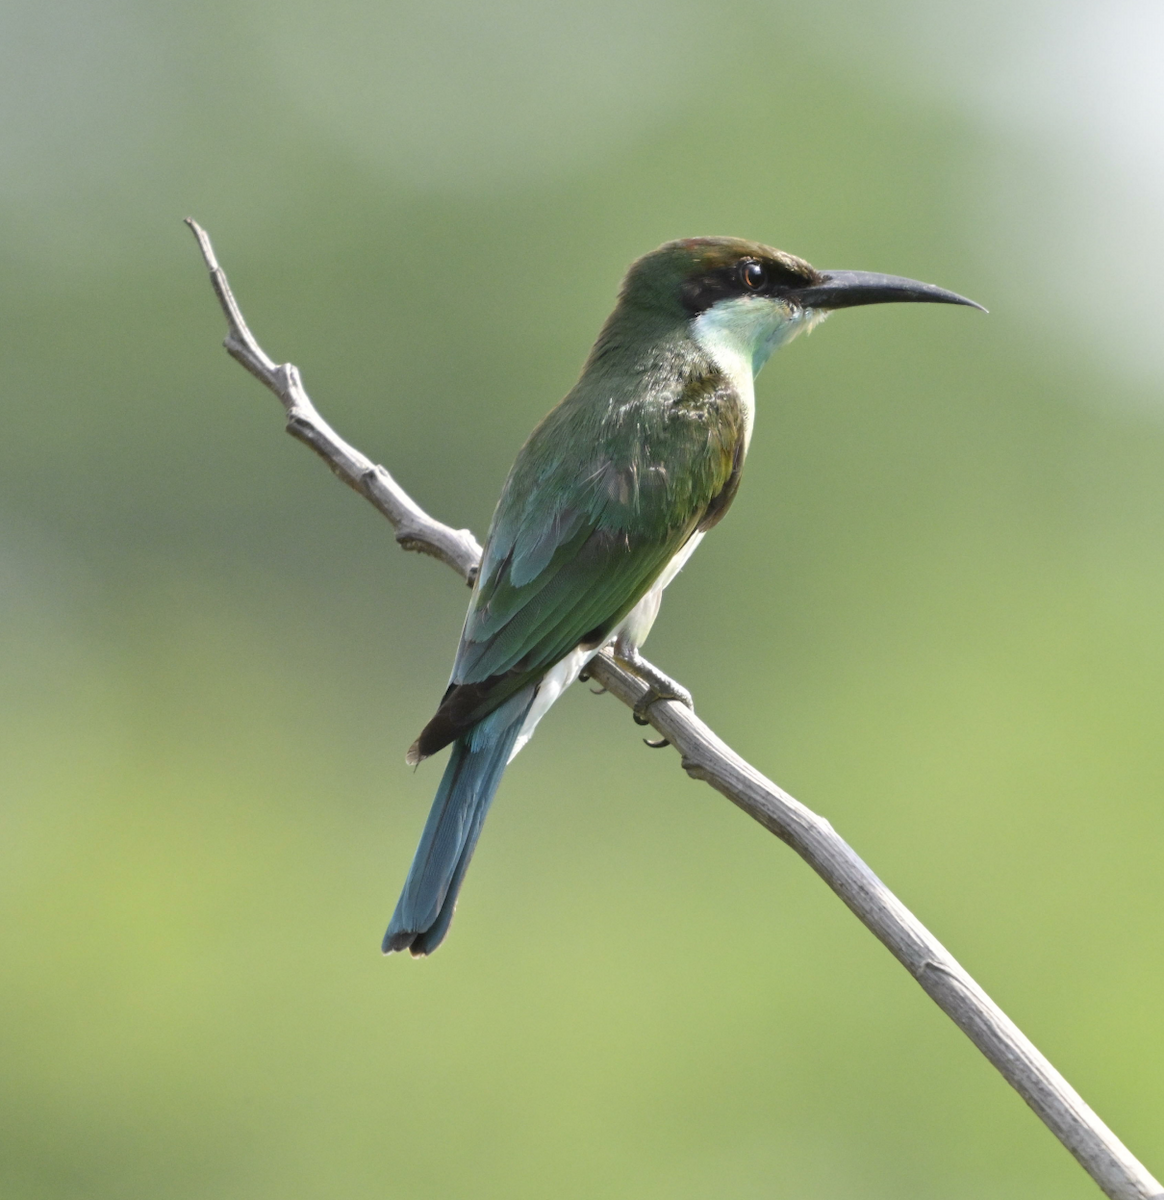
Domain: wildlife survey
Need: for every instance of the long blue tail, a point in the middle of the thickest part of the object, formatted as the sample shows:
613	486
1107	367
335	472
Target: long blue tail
426	905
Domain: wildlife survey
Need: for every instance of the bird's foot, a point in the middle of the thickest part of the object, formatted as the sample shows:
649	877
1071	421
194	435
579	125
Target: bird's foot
659	686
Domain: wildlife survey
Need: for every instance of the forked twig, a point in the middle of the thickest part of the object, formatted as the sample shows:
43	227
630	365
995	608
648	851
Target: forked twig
705	756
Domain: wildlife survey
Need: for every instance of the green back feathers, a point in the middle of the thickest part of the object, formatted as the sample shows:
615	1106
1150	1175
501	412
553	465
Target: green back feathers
603	494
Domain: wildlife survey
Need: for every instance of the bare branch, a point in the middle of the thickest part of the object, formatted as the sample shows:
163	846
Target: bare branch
705	756
415	529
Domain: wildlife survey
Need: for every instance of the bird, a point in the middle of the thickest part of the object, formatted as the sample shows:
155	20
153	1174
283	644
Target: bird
605	502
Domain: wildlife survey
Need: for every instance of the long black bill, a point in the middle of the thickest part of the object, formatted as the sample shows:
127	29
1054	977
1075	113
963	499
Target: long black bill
847	289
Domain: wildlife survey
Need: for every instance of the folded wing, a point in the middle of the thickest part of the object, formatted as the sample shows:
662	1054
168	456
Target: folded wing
588	520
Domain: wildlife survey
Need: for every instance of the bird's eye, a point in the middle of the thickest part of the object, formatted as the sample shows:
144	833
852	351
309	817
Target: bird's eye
753	275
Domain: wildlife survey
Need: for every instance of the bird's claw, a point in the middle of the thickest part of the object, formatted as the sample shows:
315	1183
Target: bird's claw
660	689
584	677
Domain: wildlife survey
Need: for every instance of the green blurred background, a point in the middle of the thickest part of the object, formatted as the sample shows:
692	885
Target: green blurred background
936	613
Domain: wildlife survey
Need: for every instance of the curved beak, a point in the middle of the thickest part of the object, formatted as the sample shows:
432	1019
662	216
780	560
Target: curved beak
847	289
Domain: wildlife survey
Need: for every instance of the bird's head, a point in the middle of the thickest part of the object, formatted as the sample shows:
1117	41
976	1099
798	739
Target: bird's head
745	299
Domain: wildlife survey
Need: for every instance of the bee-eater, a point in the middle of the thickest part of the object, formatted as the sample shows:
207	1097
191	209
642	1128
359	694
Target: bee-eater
607	500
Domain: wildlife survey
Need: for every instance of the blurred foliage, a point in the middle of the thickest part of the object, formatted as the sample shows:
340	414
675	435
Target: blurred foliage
934	614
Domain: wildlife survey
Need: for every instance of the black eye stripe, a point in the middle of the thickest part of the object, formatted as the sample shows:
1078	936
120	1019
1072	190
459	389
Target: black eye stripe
746	277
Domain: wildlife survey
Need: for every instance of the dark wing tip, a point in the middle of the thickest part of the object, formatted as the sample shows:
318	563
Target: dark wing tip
465	704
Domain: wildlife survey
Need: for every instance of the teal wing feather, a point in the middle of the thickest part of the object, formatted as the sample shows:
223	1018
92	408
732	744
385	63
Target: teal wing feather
598	502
